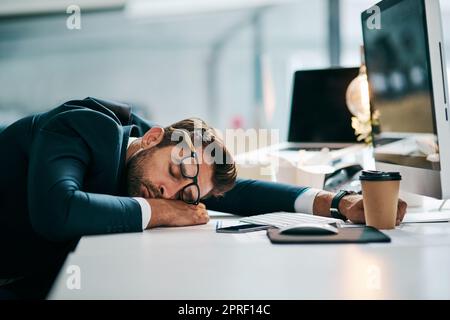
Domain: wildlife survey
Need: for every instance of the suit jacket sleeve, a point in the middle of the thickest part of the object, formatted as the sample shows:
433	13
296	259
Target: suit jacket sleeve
59	209
250	197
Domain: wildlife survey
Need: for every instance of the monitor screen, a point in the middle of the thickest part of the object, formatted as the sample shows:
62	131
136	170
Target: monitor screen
398	66
319	112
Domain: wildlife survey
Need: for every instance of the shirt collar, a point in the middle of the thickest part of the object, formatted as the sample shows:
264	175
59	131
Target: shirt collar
130	141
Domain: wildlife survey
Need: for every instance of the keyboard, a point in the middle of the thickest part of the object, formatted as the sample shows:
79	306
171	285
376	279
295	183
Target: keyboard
286	219
316	149
384	141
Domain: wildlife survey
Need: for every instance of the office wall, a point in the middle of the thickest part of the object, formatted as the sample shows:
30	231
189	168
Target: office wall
293	36
169	68
149	65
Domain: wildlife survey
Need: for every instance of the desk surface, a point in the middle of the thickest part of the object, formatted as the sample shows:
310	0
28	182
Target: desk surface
198	263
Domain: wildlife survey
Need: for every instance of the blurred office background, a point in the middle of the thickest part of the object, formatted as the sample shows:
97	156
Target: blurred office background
227	61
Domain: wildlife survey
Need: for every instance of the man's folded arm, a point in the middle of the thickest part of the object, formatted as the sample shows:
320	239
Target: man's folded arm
250	197
59	209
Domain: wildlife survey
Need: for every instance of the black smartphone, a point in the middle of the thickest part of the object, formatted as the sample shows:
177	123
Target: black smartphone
241	228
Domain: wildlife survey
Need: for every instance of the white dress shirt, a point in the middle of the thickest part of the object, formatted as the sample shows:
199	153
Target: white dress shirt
146	210
303	203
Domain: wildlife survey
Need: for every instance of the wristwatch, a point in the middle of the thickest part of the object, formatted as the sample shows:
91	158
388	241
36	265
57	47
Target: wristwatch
334	209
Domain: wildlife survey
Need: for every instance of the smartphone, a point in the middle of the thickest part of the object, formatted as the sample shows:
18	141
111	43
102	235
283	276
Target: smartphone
241	228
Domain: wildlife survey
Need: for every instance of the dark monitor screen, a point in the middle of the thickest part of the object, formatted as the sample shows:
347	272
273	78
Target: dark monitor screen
319	111
398	66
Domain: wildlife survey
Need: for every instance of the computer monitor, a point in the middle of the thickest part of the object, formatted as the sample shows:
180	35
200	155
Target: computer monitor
319	113
405	58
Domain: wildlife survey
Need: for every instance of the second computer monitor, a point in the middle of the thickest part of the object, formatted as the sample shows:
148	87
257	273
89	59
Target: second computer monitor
319	113
405	59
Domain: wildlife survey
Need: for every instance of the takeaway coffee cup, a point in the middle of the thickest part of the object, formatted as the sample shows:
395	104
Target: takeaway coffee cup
380	196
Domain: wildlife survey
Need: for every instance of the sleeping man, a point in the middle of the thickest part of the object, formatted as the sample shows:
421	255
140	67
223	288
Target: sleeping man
93	167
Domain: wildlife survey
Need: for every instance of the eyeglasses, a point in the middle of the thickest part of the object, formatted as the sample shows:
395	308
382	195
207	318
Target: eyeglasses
189	168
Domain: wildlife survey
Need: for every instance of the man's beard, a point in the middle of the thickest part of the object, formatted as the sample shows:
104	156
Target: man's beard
135	175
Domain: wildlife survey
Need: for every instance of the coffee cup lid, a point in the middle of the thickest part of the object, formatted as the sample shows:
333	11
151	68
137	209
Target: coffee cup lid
380	176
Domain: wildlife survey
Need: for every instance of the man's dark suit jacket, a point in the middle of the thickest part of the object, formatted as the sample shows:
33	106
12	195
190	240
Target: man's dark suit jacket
63	176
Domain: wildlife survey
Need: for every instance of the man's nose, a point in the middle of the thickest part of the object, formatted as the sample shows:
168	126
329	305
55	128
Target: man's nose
169	191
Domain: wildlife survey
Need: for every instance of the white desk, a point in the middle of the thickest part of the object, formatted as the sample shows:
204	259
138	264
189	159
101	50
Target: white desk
197	263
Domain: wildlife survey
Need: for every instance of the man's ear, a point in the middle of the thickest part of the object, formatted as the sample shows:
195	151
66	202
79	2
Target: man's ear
152	137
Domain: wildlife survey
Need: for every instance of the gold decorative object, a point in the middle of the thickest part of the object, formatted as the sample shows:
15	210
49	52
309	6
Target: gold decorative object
358	102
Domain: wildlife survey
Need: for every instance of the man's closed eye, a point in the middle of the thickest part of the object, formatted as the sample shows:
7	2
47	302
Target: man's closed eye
174	173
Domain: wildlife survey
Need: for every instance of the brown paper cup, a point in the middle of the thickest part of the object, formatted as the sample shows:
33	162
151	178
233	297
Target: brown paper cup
380	200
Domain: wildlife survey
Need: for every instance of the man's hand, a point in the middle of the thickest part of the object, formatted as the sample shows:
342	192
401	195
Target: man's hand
176	213
351	206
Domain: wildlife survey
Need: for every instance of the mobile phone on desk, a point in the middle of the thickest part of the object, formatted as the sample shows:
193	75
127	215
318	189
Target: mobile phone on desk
242	228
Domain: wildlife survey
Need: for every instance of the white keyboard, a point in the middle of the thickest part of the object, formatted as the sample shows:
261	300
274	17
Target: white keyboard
423	217
286	219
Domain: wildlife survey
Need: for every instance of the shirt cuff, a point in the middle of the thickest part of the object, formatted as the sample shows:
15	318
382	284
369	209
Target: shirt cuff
305	201
146	211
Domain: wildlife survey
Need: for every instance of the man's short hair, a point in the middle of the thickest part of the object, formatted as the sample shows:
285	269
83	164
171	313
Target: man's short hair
224	167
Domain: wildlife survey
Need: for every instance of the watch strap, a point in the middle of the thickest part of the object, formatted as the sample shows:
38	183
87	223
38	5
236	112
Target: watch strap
334	209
